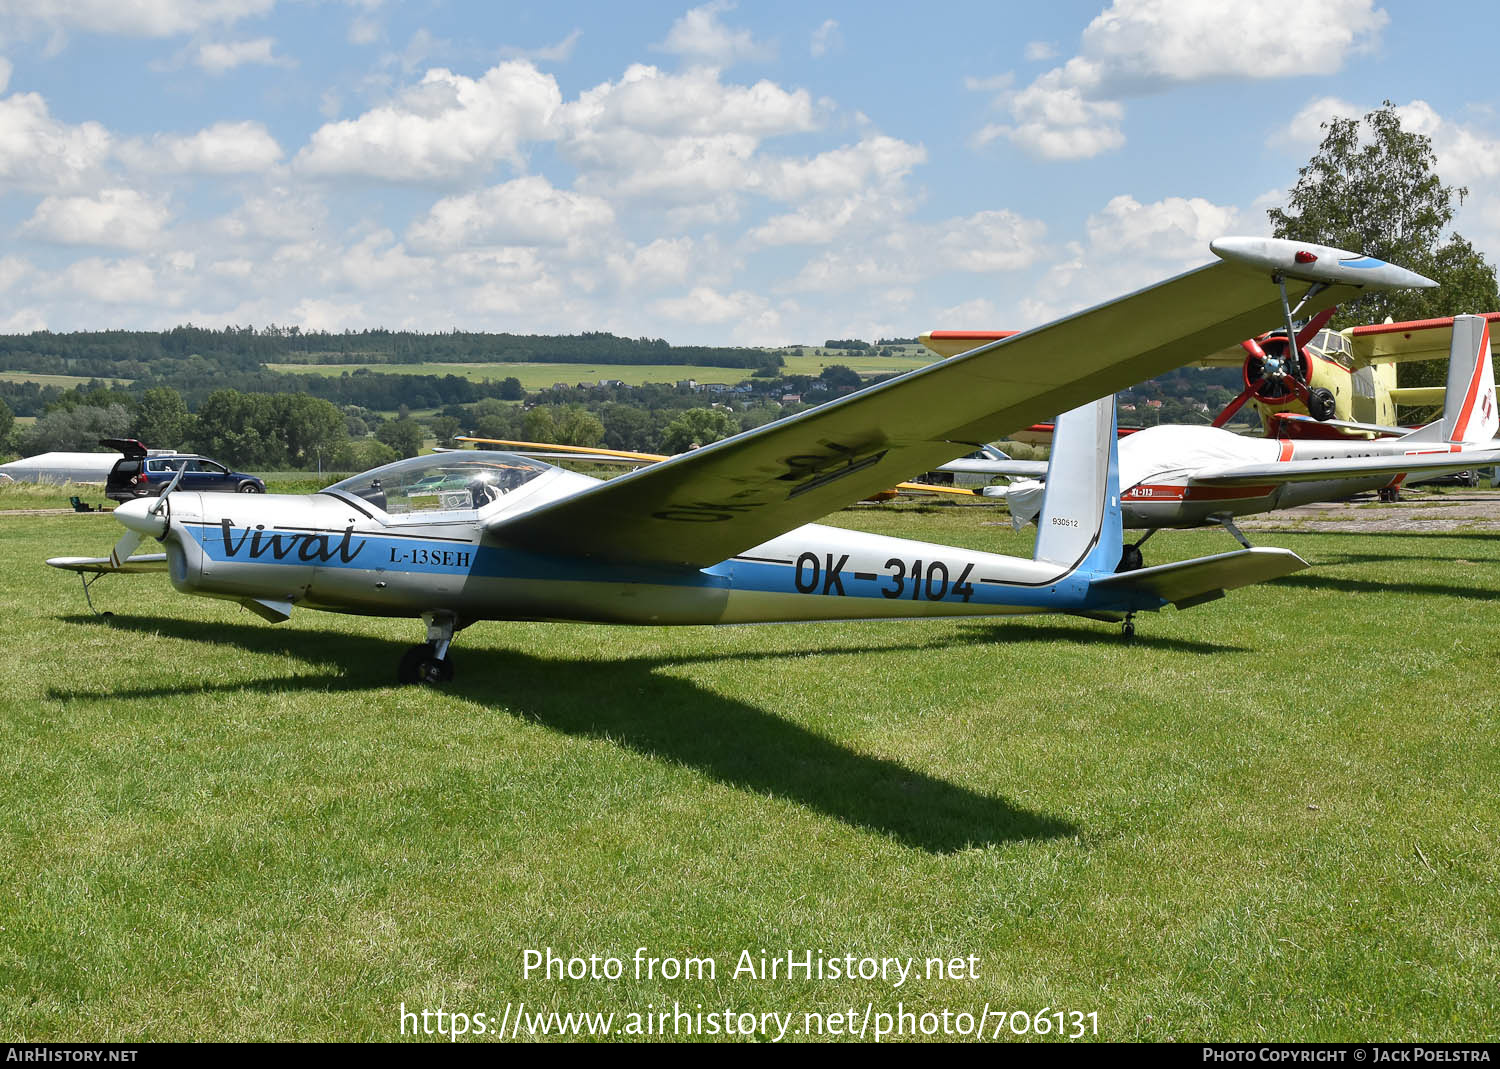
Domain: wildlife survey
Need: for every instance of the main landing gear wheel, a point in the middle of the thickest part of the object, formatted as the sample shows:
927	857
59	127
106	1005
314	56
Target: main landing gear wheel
421	664
1320	404
428	663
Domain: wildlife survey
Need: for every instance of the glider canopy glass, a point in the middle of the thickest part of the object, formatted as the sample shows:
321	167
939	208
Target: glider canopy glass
442	481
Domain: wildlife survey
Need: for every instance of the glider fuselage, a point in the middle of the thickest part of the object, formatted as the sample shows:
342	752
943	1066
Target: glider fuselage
322	551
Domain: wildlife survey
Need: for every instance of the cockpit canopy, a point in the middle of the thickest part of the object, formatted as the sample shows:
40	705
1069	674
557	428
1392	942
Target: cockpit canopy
442	481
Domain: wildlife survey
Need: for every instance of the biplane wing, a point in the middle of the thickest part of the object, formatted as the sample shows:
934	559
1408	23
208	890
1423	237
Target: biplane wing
703	507
1418	339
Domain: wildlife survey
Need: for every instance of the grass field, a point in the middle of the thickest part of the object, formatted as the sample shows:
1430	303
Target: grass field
67	382
541	376
910	356
1272	817
537	376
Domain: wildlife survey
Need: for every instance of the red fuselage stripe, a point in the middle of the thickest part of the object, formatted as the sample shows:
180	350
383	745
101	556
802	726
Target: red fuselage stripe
1469	398
1169	492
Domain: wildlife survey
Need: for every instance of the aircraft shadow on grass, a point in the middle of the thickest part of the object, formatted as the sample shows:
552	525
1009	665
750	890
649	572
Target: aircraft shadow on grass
1376	586
1481	539
1318	579
670	719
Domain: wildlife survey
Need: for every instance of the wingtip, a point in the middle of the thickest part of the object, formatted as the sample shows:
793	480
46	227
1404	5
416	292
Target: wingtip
1312	262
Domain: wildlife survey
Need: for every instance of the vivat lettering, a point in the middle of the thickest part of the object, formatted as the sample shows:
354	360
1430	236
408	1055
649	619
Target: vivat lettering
309	545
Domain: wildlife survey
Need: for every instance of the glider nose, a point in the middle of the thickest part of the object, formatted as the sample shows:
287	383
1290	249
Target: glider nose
138	517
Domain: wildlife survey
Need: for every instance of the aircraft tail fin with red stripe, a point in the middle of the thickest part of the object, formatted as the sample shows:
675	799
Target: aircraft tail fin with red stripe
1470	414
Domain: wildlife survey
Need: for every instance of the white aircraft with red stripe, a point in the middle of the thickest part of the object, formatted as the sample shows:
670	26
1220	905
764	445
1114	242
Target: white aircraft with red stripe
1189	476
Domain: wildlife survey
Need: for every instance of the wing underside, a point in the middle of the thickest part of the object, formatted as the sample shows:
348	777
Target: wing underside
144	562
1420	339
704	506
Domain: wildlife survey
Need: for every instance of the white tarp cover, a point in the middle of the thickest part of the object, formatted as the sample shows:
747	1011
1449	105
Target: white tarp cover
61	468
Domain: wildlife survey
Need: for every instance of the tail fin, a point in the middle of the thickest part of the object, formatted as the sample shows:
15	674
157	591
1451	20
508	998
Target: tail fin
1080	525
1469	411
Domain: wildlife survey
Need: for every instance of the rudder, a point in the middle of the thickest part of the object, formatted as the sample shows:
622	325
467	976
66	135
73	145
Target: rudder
1080	525
1469	413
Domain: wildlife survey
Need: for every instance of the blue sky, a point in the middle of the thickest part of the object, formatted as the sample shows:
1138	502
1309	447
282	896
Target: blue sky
752	173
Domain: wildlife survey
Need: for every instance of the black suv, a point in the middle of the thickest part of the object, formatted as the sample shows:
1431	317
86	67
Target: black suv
138	475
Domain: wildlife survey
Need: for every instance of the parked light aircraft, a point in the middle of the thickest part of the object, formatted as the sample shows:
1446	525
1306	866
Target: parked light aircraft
1186	476
723	534
1339	378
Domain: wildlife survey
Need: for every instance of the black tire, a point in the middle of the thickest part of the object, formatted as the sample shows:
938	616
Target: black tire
1320	404
1130	559
418	665
248	487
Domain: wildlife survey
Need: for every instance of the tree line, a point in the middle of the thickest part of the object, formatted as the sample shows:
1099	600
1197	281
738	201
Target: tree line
262	431
139	354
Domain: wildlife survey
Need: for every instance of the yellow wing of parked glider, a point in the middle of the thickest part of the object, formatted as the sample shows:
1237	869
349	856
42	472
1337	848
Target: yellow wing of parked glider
702	507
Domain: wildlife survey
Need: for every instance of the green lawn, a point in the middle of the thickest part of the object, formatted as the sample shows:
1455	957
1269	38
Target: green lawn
1270	818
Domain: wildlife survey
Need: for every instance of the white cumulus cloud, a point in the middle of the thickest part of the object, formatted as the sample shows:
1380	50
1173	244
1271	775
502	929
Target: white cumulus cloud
217	57
133	18
700	35
525	211
443	129
39	153
677	137
109	281
223	148
1146	46
122	218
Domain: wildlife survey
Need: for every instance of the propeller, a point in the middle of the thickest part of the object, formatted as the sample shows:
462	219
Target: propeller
1276	372
142	518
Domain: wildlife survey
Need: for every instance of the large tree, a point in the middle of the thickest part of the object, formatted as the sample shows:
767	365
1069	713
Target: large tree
697	427
162	420
1373	187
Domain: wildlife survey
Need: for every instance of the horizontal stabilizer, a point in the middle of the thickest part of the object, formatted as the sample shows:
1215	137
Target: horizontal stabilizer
1295	471
1192	582
145	562
1020	469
